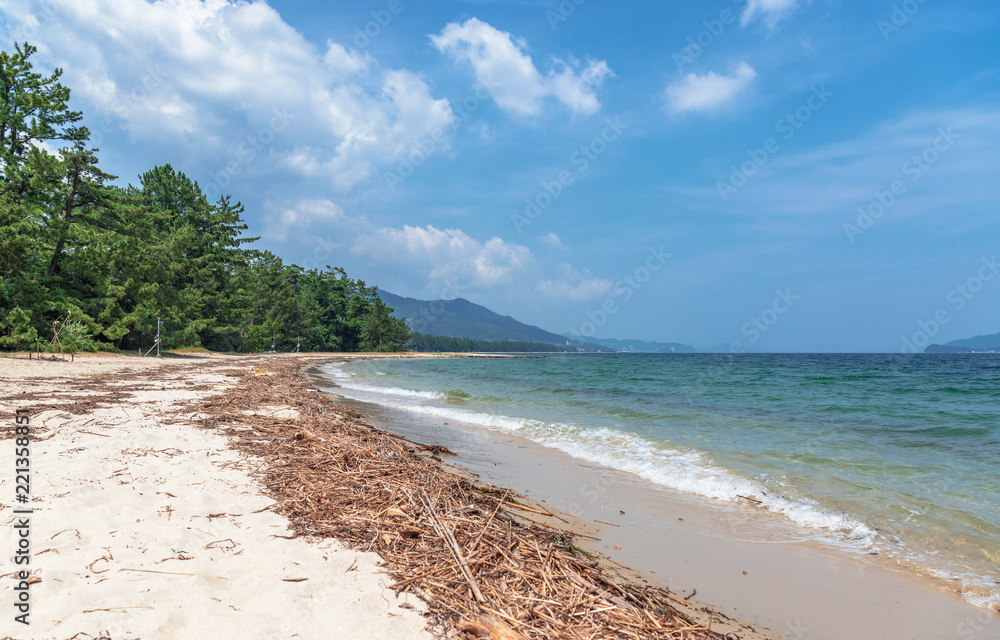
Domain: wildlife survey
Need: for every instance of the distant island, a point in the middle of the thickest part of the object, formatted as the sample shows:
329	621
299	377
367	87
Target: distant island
989	343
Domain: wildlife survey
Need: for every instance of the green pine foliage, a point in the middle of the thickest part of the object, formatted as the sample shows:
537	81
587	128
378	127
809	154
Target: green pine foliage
72	244
76	337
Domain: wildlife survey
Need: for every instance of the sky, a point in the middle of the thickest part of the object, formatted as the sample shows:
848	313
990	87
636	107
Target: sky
770	175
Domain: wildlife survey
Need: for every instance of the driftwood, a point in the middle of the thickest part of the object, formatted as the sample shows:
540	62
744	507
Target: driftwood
467	549
483	569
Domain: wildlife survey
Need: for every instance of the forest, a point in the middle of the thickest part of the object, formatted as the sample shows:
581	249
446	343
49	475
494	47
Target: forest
100	263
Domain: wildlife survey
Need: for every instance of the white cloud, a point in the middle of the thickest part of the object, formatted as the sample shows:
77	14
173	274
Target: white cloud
342	63
44	146
437	255
205	75
710	91
770	11
370	129
428	258
501	64
553	241
571	284
303	215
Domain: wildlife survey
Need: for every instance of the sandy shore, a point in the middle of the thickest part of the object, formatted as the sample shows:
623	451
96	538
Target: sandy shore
147	527
730	556
175	498
189	497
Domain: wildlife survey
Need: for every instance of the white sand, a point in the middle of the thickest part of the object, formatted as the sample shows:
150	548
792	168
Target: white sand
120	496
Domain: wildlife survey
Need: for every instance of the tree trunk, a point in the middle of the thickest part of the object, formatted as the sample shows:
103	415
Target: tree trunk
67	218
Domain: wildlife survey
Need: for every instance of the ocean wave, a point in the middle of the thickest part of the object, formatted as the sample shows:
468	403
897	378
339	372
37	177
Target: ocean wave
618	434
690	472
682	470
392	391
346	381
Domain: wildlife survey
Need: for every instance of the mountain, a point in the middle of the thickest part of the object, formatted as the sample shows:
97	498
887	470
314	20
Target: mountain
460	318
641	346
990	342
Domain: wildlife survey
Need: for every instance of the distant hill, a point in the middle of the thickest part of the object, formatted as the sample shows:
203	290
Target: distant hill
990	342
943	348
641	346
443	344
460	318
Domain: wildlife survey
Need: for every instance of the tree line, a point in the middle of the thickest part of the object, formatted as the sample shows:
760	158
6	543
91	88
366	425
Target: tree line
101	263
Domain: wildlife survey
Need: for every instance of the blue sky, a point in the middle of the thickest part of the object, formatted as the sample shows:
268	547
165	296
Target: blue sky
783	174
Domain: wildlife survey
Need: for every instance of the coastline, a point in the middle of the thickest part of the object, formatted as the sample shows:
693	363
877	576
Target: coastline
142	459
166	504
752	572
146	526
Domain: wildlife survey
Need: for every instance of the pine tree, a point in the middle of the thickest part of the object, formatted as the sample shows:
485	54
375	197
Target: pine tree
33	109
73	245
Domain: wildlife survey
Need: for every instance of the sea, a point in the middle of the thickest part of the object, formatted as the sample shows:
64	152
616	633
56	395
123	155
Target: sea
896	455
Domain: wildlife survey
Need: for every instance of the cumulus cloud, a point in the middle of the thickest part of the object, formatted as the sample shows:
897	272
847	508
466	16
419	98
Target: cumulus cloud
370	129
770	11
572	284
302	216
709	91
501	64
429	258
208	74
438	255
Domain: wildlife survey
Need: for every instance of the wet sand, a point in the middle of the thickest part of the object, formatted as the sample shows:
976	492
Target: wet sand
122	477
152	520
731	557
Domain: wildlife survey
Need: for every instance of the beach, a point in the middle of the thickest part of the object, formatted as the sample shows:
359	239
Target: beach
752	563
223	495
498	320
721	554
146	526
236	496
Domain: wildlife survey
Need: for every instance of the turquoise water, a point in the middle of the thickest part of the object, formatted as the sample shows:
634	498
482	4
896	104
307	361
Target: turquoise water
893	454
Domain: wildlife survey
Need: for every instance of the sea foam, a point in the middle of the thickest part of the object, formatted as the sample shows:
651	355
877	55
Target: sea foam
675	468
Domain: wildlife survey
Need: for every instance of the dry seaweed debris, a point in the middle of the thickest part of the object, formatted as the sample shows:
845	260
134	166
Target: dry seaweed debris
484	572
81	396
